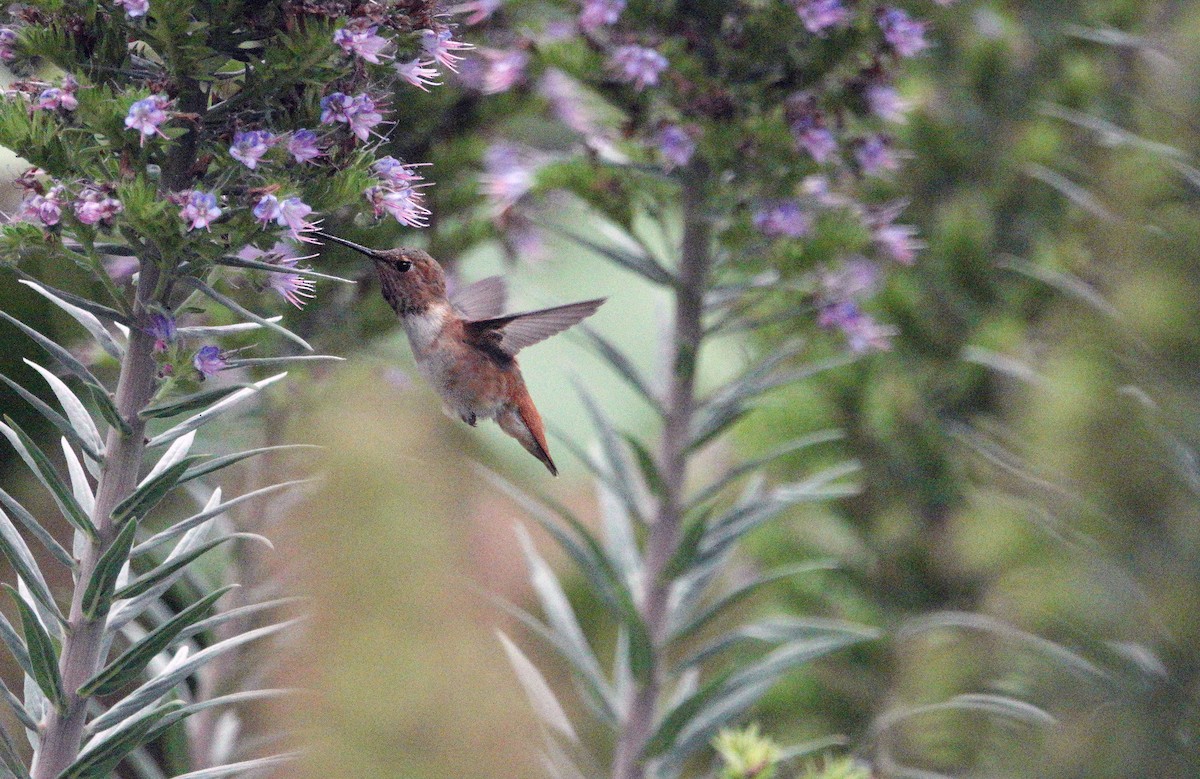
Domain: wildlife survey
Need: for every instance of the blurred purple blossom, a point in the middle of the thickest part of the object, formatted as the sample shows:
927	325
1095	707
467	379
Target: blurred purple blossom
807	123
303	146
199	209
567	104
95	205
146	115
875	155
362	41
479	10
441	46
249	147
59	97
420	73
819	15
600	13
162	327
783	219
508	176
886	103
133	8
209	361
8	39
676	145
120	267
863	333
637	65
494	70
362	116
904	34
853	278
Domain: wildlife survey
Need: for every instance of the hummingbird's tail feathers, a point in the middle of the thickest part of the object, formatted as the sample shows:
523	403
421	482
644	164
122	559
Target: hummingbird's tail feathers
522	421
520	330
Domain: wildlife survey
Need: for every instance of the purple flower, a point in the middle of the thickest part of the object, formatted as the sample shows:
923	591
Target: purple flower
441	46
146	115
637	65
854	278
600	13
293	213
334	108
249	147
419	73
8	39
303	146
807	123
863	333
209	361
676	145
47	208
508	175
819	15
479	10
782	219
886	103
133	8
362	41
875	156
898	242
396	173
162	327
362	116
59	97
95	205
403	204
120	268
905	35
266	209
199	209
292	287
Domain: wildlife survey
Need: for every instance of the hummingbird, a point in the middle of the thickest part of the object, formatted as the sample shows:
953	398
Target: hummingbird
465	346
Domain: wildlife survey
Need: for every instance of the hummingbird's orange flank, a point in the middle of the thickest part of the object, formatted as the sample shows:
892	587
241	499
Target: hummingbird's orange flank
465	347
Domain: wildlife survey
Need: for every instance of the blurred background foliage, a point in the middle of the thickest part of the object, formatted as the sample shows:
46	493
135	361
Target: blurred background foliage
1030	517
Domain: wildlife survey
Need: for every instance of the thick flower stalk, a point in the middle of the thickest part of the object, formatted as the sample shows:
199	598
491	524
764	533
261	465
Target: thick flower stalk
187	150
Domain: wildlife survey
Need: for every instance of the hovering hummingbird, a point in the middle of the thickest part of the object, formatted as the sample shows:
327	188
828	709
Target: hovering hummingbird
465	347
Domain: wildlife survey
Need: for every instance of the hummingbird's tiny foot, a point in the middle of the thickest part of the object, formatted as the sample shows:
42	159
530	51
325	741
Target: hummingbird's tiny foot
469	419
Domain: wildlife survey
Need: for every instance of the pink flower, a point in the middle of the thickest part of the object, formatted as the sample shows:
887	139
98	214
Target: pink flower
162	327
59	97
362	41
508	175
403	204
819	15
479	10
441	46
600	13
495	70
146	115
676	145
361	116
303	146
8	39
47	208
905	35
886	103
249	147
199	209
292	287
95	205
419	73
266	209
875	156
783	218
290	213
396	173
334	108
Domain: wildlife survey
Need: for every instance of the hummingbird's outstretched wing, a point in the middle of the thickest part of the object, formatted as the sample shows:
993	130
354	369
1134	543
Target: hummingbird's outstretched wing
483	299
510	334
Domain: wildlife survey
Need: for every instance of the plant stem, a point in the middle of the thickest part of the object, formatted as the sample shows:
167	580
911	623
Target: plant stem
695	263
62	733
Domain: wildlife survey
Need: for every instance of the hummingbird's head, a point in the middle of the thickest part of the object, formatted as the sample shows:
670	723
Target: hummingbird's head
410	279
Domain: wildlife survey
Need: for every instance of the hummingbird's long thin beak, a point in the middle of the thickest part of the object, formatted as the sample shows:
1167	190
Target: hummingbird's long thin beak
351	244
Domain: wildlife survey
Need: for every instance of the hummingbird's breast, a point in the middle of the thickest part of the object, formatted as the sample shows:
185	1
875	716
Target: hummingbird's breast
469	382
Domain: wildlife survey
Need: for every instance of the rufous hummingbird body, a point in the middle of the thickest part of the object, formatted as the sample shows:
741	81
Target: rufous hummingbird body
464	346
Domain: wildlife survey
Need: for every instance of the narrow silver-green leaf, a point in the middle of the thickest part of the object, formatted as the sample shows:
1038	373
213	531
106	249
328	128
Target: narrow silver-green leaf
48	476
36	530
26	567
98	594
86	318
757	463
63	424
220	331
9	758
244	767
217	463
543	700
175	673
16	645
43	657
237	308
267	362
150	494
134	660
18	709
100	758
186	403
170	566
215	509
238	262
625	368
638	262
213	411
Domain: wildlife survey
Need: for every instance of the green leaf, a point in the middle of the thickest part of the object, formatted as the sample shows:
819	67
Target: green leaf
244	767
91	306
537	690
238	262
99	761
86	318
682	713
236	308
8	754
35	529
751	466
134	660
99	393
213	411
37	461
650	472
26	567
15	645
169	567
689	546
43	657
217	463
624	368
98	595
187	403
639	263
63	424
151	492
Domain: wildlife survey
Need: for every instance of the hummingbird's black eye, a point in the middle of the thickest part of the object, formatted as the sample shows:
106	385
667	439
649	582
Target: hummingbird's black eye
403	266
